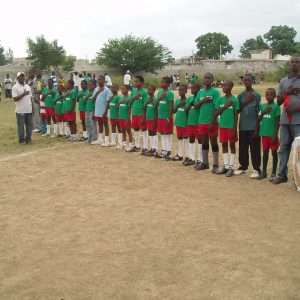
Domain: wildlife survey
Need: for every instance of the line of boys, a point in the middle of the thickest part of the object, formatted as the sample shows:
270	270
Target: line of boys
202	117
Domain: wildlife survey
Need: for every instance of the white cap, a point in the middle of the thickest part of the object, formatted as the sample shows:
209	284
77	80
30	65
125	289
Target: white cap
20	73
127	72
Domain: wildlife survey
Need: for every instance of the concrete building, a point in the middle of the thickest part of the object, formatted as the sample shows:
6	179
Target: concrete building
261	54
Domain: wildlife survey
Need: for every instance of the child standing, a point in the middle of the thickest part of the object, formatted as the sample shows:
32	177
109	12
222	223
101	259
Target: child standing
228	108
164	114
181	123
70	109
192	127
268	125
90	123
58	102
249	109
83	92
43	115
124	118
138	100
151	123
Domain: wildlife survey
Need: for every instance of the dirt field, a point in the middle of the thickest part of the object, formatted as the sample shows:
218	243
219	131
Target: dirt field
101	224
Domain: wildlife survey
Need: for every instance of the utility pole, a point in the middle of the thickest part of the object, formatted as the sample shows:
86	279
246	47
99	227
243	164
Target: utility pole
220	52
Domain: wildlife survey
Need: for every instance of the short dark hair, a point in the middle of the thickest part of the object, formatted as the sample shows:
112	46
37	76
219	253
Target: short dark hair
140	78
71	82
153	87
84	81
184	86
126	85
167	80
272	89
210	74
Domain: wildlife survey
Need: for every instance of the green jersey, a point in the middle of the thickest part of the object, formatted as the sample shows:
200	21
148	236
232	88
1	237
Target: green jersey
113	107
165	103
193	113
137	107
206	109
49	100
70	100
90	104
268	122
227	116
59	104
124	107
180	116
150	112
81	106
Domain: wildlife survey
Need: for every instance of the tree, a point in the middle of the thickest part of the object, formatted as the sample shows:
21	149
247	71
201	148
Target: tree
46	55
2	56
281	39
9	56
134	54
209	45
252	44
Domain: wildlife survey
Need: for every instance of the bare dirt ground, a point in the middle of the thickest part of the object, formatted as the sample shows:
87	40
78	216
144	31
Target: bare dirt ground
83	222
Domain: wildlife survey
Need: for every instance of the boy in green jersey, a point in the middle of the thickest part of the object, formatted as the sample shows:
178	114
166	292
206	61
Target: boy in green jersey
207	100
228	109
150	120
138	99
81	107
48	94
59	116
268	126
181	123
164	114
192	127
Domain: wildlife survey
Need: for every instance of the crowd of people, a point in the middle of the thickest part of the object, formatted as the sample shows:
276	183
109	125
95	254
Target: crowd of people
202	120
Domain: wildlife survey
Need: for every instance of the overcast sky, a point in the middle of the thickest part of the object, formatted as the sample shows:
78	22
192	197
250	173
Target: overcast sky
83	26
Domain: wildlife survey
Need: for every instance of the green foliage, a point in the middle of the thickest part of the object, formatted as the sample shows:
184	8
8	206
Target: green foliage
281	39
134	54
209	45
252	44
2	56
9	55
46	55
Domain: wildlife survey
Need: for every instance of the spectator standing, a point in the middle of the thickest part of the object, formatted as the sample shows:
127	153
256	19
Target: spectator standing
107	80
8	84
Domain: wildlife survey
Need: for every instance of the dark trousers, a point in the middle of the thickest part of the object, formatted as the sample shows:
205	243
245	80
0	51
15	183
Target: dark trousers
245	141
24	120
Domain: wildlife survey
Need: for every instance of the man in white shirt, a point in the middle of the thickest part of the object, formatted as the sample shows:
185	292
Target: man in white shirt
127	78
77	81
21	93
7	84
108	81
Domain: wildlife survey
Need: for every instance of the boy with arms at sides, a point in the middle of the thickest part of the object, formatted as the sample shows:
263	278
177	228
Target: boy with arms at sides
138	100
268	126
207	100
124	118
83	92
59	116
149	119
90	123
228	110
48	94
101	97
112	106
192	127
181	123
164	115
249	109
70	107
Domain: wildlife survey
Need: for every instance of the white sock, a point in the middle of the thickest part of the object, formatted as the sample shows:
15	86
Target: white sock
180	148
48	129
55	129
84	134
192	151
65	128
169	142
200	156
124	144
155	142
120	138
226	160
232	158
106	139
100	138
145	139
61	128
113	137
137	139
151	141
163	142
186	144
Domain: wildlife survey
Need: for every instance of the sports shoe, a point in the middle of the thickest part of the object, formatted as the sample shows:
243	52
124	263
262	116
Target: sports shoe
105	145
222	171
254	175
197	164
177	158
66	137
229	173
279	180
96	142
129	148
272	178
215	169
168	155
119	147
202	166
160	155
46	134
134	149
82	139
239	172
185	160
35	130
144	151
189	162
112	144
262	175
151	152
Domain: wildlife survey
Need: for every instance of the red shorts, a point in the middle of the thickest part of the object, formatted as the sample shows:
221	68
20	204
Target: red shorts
203	129
114	122
150	125
162	126
225	135
82	115
50	111
125	124
181	132
268	144
43	117
136	122
101	119
70	116
192	131
59	118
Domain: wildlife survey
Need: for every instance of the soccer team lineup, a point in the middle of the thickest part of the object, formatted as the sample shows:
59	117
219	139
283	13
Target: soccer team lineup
120	116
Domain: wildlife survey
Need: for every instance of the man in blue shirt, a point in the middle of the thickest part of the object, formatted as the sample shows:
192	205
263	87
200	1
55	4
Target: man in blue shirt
101	97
